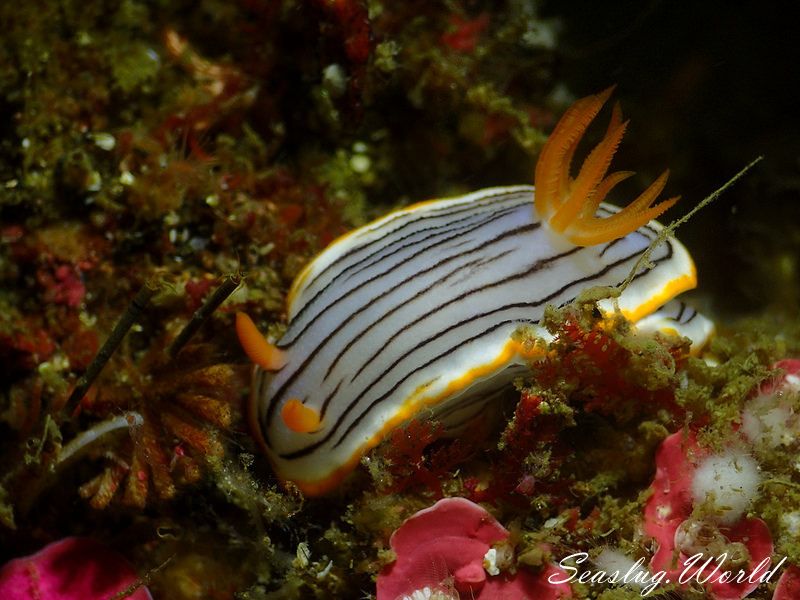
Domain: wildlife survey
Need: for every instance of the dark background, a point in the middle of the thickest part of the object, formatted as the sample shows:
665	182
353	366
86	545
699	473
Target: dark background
708	86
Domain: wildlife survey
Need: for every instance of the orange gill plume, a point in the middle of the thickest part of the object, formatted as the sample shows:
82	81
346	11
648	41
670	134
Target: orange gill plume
569	204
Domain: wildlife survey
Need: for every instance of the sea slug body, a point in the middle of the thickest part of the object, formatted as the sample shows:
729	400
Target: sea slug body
416	311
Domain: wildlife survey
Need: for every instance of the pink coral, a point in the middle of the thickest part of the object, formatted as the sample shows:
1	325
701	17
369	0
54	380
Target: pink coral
790	380
442	549
668	519
769	419
70	569
788	585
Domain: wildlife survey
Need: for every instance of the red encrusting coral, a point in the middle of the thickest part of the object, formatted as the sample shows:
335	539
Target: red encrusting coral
672	503
444	548
788	587
71	569
789	378
670	507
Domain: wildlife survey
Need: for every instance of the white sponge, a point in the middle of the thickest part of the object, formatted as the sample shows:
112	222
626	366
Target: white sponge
769	421
728	482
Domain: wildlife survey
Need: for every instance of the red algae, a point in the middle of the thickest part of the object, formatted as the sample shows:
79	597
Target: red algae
465	32
417	456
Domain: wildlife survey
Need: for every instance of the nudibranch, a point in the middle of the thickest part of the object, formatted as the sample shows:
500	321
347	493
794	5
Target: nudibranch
416	310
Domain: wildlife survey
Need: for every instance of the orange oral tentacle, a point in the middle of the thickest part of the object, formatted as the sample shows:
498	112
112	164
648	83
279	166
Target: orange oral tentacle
255	345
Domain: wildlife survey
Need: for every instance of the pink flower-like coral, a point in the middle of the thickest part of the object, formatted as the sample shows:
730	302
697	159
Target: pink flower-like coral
441	550
668	519
70	569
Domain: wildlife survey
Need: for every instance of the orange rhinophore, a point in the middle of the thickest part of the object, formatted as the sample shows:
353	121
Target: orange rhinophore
257	348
